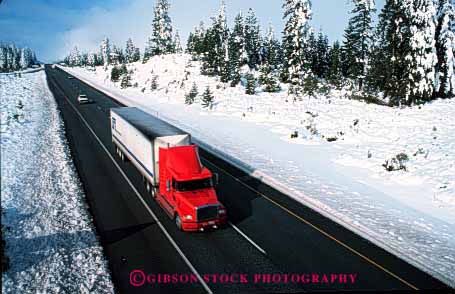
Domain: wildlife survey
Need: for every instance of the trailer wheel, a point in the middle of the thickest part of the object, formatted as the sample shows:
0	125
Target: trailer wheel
148	186
178	222
153	192
123	157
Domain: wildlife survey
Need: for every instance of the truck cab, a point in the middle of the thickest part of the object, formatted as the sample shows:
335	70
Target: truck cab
187	190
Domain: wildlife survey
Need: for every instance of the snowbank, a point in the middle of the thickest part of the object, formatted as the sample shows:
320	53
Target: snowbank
409	212
51	241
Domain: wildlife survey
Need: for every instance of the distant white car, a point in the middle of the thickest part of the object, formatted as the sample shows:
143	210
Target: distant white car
82	99
70	77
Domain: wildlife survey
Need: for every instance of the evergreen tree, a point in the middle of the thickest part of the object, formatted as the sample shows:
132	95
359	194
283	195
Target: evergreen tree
3	60
91	59
311	53
189	98
161	41
154	84
115	74
335	74
358	38
195	42
297	14
237	53
250	84
75	57
26	58
207	98
405	33
321	56
131	52
177	43
269	78
216	43
271	49
252	39
116	56
126	80
105	52
445	49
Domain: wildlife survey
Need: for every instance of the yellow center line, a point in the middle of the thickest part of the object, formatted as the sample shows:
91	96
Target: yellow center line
317	228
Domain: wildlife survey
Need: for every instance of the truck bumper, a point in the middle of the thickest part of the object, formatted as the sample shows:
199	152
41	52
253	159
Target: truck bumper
206	225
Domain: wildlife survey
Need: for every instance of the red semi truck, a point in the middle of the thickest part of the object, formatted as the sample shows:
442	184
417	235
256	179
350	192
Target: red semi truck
170	167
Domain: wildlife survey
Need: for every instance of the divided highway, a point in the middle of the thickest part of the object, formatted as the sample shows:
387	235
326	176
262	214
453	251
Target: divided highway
272	244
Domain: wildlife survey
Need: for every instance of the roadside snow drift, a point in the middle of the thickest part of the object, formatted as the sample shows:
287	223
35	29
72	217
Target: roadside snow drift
338	161
50	238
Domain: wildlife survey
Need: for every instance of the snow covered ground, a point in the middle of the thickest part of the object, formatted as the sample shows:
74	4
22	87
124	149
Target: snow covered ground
50	238
410	213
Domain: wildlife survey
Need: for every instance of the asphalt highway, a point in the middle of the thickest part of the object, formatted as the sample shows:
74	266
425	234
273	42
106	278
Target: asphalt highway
272	244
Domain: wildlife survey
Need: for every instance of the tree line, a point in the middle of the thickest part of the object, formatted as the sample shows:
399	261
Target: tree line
407	57
13	58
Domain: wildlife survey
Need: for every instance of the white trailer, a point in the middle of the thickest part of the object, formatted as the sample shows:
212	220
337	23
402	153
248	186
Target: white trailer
138	136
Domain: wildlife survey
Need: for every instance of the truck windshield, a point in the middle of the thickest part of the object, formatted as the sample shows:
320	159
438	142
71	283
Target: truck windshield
193	185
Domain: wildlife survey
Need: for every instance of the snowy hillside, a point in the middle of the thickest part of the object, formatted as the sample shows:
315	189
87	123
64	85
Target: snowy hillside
50	239
335	163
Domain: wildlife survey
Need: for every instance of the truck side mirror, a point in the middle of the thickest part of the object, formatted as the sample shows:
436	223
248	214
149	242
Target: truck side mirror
168	185
216	179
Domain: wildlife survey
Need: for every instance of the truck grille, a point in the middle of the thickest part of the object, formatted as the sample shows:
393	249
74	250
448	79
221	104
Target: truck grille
207	212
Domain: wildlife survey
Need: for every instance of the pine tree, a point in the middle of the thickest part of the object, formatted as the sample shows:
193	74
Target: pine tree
25	59
207	98
297	14
404	63
131	52
91	59
154	84
220	33
321	56
189	98
126	80
358	38
177	43
269	78
3	60
106	52
445	49
271	49
335	74
161	40
115	74
237	53
216	43
116	56
75	57
252	39
250	84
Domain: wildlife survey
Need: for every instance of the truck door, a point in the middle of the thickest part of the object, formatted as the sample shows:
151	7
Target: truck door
166	197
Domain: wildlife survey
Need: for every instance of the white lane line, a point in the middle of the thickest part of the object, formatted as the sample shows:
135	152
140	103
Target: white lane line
247	238
177	248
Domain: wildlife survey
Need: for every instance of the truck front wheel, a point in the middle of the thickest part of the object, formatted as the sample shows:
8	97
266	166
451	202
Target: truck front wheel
178	222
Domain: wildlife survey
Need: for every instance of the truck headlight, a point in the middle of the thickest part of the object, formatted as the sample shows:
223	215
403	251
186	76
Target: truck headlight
222	211
188	217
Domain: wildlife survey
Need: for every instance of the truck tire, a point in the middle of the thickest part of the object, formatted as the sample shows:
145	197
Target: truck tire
148	187
178	222
123	157
153	192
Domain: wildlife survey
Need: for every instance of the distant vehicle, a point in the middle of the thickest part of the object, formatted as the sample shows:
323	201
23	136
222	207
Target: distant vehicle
70	78
36	66
171	168
82	99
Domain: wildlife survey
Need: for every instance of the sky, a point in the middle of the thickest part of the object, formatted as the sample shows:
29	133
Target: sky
53	27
